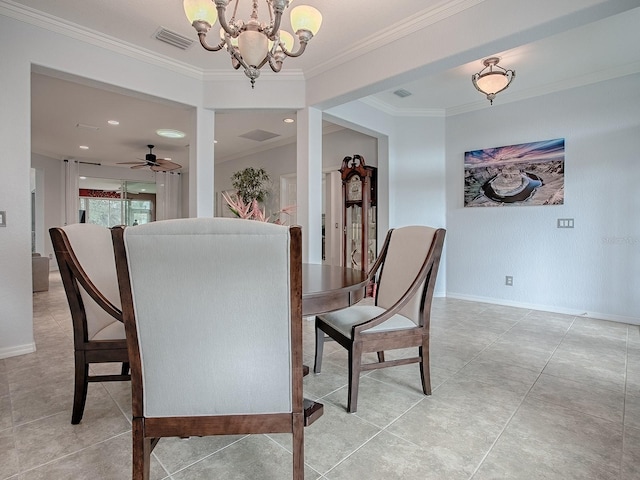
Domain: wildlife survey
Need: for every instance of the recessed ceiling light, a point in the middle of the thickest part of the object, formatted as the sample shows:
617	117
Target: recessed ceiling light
215	141
288	120
169	133
84	147
113	122
83	178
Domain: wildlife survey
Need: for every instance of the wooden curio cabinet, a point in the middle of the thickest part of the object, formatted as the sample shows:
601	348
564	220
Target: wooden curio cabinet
359	195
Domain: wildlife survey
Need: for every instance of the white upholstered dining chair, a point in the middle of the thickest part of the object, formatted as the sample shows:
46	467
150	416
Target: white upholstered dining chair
213	314
84	253
405	274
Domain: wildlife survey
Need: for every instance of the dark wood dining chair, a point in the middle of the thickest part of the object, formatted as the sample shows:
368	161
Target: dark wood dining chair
405	274
84	253
213	314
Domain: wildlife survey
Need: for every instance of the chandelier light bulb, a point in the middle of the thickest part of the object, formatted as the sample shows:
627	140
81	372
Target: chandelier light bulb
202	10
286	38
305	17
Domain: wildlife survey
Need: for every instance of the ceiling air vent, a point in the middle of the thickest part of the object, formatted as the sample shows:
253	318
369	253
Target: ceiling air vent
259	135
173	38
402	93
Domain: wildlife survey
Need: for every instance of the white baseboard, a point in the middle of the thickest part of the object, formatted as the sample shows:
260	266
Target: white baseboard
17	350
547	308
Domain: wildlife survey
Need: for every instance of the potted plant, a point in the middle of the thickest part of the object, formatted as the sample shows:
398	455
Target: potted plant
251	184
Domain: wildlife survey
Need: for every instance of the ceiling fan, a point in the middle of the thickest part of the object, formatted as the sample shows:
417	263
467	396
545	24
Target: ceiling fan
151	161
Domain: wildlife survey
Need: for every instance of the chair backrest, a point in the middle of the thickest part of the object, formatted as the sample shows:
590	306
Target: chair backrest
208	306
407	250
87	249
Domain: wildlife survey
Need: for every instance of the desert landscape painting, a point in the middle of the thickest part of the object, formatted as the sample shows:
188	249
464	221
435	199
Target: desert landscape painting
523	174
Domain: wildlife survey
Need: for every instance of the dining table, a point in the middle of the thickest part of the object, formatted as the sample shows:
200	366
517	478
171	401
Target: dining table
326	288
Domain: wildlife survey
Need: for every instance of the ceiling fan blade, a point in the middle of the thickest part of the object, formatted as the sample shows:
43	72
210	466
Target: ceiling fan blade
131	163
166	168
135	167
168	164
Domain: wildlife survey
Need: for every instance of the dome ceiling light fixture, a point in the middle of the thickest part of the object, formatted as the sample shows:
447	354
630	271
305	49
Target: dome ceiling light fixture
253	44
492	79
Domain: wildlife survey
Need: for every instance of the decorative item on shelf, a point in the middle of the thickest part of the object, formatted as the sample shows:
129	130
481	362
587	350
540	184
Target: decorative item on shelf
492	79
252	44
359	192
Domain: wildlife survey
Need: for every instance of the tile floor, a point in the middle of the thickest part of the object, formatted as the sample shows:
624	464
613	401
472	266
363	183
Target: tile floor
517	394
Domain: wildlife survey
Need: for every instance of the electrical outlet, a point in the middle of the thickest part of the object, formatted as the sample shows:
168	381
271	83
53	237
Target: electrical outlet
508	280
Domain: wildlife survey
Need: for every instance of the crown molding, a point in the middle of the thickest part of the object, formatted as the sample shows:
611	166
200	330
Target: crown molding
419	21
60	26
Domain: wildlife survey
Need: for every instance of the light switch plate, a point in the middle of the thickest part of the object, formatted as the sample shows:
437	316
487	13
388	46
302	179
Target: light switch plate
565	223
3	218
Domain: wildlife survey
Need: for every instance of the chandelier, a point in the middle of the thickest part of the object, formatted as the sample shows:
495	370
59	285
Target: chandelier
492	79
252	44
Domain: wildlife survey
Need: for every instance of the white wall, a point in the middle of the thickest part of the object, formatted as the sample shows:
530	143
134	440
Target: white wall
282	161
592	269
53	192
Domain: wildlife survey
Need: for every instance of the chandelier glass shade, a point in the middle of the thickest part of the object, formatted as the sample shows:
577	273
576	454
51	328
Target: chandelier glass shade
492	79
252	43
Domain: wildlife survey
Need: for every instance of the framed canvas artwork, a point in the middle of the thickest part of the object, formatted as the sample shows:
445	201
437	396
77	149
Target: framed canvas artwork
513	175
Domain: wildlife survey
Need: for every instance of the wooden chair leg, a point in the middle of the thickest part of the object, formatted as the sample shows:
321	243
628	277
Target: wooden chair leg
319	349
425	370
125	368
298	447
141	451
355	360
380	357
80	388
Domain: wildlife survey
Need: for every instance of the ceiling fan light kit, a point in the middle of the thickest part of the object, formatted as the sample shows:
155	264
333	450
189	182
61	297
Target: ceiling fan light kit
253	44
492	79
153	162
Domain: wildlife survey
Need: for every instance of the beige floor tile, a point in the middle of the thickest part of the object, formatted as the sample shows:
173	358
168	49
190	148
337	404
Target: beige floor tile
48	438
379	403
8	454
253	457
589	399
332	438
6	419
632	411
461	421
545	441
108	460
510	377
630	469
177	453
391	458
583	366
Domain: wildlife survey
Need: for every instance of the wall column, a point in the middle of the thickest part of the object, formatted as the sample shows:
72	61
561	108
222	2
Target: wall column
201	166
309	183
